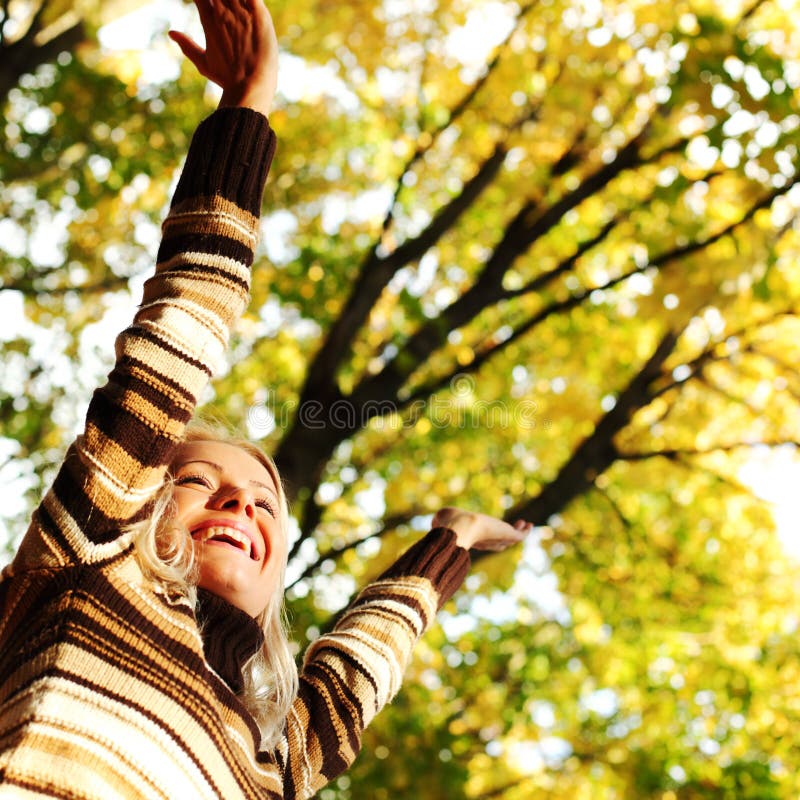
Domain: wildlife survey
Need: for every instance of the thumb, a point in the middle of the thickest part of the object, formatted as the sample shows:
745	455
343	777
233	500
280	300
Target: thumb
191	50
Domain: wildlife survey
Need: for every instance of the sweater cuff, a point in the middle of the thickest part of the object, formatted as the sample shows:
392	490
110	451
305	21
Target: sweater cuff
436	557
230	155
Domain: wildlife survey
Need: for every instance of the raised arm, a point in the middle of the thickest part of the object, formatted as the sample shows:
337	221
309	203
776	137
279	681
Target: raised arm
352	672
180	332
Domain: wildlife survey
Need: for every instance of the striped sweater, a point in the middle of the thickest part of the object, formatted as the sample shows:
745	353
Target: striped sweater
107	688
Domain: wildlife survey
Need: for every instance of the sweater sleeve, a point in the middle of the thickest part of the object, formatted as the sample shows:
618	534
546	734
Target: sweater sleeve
352	672
166	356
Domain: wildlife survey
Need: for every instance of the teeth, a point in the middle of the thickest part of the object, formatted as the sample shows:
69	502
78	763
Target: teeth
228	533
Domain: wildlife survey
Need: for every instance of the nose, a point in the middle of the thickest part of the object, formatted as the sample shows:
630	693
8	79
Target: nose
236	499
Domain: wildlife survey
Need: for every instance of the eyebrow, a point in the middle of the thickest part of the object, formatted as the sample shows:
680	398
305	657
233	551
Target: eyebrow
218	468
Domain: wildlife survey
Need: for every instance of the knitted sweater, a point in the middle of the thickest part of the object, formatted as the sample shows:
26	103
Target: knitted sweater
107	688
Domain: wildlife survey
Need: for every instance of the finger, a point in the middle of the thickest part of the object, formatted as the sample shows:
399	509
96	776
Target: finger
495	544
208	15
523	525
230	16
442	517
190	48
206	8
264	27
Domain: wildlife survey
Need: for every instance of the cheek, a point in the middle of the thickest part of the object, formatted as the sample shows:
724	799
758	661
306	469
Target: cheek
279	549
181	503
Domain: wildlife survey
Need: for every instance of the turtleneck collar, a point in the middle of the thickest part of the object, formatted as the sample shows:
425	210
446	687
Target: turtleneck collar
230	637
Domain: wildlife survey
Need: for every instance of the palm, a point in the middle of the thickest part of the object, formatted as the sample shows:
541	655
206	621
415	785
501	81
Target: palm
480	531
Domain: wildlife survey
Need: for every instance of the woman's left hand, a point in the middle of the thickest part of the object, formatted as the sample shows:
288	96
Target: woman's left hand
241	53
480	531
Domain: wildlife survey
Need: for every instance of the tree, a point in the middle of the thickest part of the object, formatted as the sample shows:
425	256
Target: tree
544	270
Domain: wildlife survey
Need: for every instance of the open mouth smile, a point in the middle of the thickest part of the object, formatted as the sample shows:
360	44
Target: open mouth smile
225	536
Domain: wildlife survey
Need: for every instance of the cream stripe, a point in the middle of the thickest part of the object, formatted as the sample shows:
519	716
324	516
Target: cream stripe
377	657
176	325
111	483
306	768
248	752
77	538
116	760
413	617
164	617
189	376
157	753
238	269
246	228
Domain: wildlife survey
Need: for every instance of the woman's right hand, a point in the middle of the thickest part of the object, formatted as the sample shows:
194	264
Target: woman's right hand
480	531
241	53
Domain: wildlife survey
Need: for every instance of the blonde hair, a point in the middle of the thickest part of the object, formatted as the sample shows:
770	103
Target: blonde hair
166	556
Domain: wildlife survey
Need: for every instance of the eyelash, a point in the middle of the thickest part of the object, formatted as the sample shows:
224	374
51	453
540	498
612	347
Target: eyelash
189	478
183	479
267	506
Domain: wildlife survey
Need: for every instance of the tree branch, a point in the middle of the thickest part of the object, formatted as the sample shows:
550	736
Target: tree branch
389	523
376	271
748	13
709	354
624	521
460	107
30	289
712	385
24	56
689	451
423	392
723	479
540	281
522	231
595	454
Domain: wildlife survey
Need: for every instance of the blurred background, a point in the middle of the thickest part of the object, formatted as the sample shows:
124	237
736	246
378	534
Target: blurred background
532	258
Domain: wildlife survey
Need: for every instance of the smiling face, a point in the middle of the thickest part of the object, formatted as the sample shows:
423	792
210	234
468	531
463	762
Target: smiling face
229	503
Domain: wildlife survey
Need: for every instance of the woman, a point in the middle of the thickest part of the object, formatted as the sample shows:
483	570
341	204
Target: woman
114	681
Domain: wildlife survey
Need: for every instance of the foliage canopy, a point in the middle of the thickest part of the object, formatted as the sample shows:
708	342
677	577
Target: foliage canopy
534	258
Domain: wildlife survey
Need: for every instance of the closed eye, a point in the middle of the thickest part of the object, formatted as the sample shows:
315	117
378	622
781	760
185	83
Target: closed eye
265	504
200	480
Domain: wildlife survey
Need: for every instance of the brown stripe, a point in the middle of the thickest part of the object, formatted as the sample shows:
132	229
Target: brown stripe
373	595
98	626
133	375
201	272
385	611
344	706
211	204
358	667
212	297
229	156
97	523
207	219
47	744
194	234
148	444
52	789
146	335
103	691
49	528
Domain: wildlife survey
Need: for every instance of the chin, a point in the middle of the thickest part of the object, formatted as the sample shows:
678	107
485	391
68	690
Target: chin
225	583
